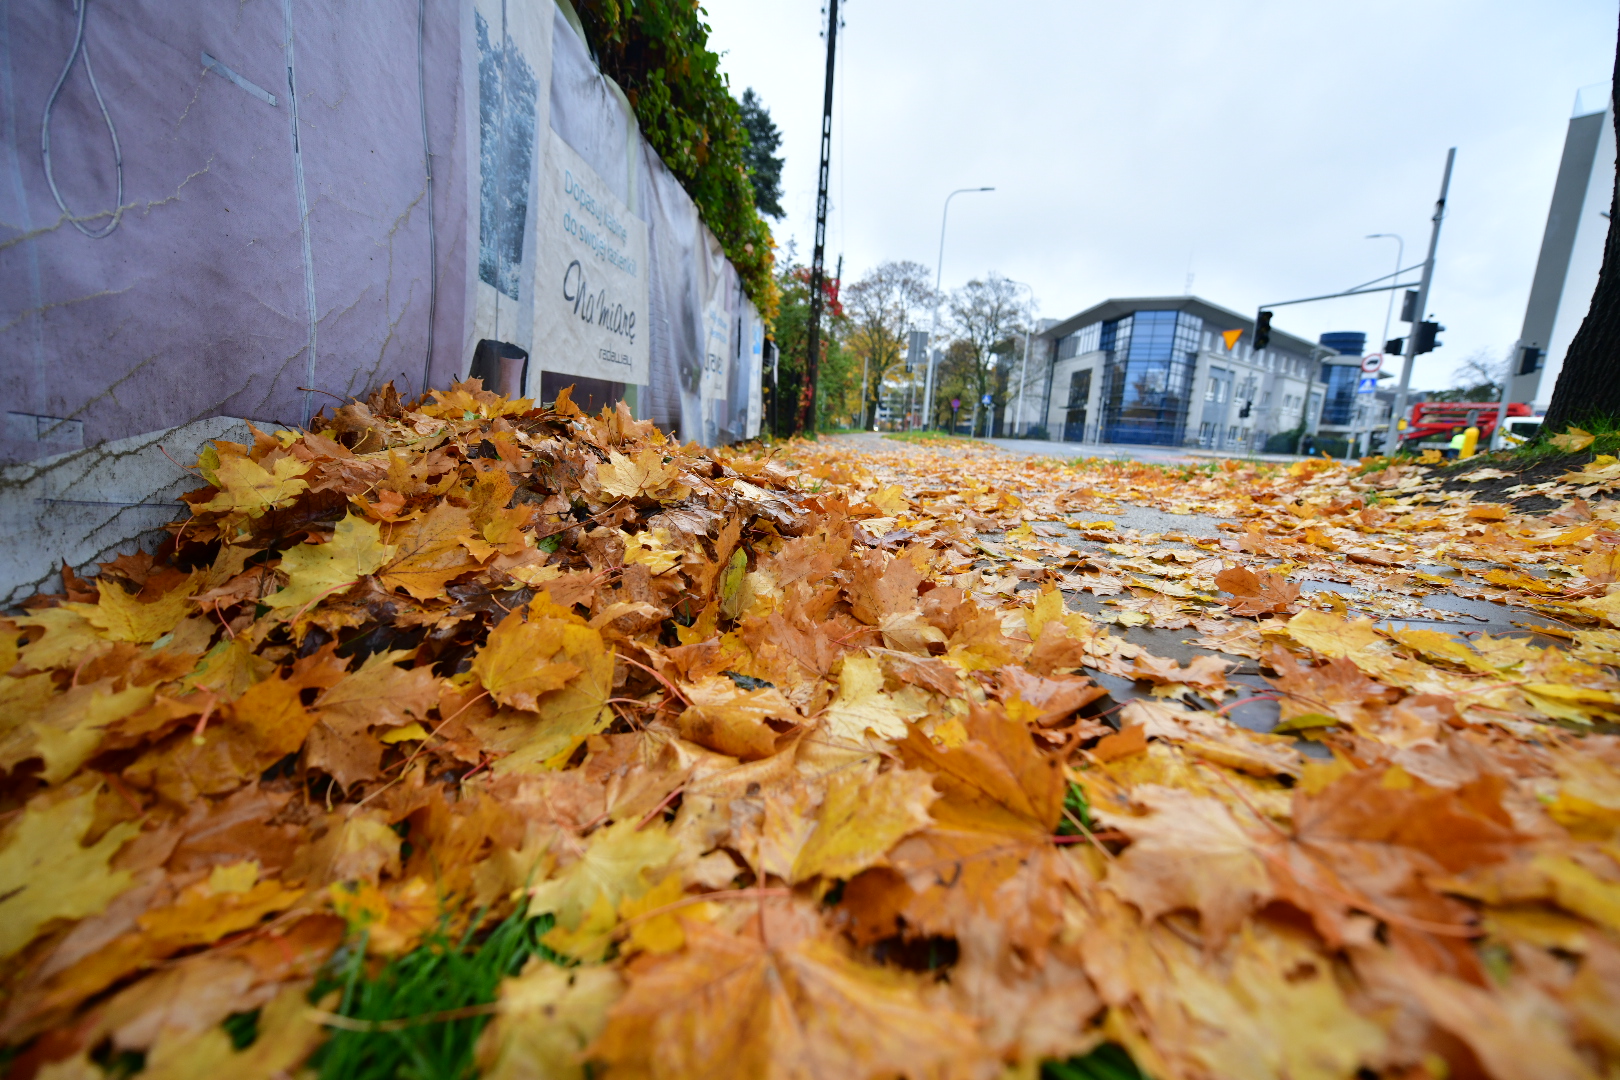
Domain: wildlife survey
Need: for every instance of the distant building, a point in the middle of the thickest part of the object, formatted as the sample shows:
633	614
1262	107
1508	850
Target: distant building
1346	413
1571	248
1157	370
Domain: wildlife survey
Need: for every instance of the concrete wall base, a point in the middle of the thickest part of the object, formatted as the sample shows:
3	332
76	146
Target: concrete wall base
90	505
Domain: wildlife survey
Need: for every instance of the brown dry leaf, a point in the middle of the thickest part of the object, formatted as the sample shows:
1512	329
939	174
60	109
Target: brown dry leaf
430	551
731	1006
1252	594
724	717
1189	853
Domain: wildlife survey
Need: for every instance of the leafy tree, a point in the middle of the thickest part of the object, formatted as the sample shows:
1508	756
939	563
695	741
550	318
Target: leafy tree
955	377
883	307
1589	384
764	164
658	52
985	314
792	342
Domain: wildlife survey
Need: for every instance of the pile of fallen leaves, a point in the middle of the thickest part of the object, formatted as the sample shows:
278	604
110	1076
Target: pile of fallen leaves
790	765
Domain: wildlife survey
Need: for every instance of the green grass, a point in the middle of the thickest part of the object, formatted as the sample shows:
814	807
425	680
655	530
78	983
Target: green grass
439	976
1108	1062
1074	801
1606	432
927	437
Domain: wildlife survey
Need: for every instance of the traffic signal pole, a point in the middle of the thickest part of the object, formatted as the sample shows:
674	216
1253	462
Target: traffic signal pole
1392	439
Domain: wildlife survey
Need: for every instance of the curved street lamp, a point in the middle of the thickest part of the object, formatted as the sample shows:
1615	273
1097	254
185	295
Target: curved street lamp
939	276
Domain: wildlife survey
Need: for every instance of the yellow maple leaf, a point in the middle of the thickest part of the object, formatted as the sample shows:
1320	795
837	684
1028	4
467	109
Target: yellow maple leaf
862	817
1572	441
69	636
202	914
248	487
123	617
660	933
315	571
525	658
647	474
862	705
288	1032
548	1016
45	873
68	729
891	500
393	919
650	549
615	867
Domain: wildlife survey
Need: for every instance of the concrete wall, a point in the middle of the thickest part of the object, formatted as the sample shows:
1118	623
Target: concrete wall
91	504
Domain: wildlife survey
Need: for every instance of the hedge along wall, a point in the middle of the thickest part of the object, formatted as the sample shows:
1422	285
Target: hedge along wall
274	227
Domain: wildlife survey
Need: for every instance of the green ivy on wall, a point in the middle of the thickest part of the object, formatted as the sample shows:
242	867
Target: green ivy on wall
657	51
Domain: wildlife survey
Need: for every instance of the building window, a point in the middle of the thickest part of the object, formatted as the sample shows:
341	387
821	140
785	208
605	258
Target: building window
1083	340
1074	420
1231	433
1265	398
1147	375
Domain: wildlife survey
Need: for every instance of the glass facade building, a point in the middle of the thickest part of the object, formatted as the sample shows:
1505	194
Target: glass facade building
1148	363
1340	381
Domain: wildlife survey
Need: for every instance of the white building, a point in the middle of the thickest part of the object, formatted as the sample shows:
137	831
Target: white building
1159	370
1571	248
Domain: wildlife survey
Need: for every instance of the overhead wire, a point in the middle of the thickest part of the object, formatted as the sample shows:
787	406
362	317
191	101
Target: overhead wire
80	7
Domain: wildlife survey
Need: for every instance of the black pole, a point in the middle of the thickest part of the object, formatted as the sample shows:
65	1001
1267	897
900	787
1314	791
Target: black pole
807	397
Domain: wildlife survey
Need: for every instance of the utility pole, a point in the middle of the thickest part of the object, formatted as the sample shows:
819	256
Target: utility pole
1392	439
807	397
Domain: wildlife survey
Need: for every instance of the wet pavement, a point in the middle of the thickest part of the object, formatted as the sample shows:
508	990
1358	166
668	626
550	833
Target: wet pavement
1462	615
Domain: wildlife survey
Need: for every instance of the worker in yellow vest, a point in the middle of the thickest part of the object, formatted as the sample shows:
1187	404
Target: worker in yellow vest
1454	448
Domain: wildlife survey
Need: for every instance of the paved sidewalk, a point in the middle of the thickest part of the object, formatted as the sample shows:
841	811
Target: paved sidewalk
1130	452
1153	525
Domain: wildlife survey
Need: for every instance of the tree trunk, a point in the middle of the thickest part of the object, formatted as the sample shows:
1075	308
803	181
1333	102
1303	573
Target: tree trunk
1589	384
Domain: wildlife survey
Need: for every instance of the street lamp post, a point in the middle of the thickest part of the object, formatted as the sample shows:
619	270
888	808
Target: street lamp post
939	274
1389	311
1023	379
1400	259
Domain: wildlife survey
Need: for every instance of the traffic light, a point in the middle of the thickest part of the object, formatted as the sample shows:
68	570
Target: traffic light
1395	346
1262	330
1424	337
1243	413
1409	306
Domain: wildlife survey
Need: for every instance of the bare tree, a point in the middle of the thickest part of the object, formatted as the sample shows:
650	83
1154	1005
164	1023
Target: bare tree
1478	378
882	307
985	314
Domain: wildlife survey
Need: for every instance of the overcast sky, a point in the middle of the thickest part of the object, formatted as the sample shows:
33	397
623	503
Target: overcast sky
1251	144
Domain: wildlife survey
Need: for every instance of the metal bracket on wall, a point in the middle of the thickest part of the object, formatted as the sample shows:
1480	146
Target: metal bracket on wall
210	64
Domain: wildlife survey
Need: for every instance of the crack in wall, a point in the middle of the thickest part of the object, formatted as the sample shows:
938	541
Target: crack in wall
65	219
42	309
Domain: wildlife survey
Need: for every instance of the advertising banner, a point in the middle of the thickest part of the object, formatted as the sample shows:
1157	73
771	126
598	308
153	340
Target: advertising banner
590	291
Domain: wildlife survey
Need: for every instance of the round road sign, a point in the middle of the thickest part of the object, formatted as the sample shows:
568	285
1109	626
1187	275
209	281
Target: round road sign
1372	362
